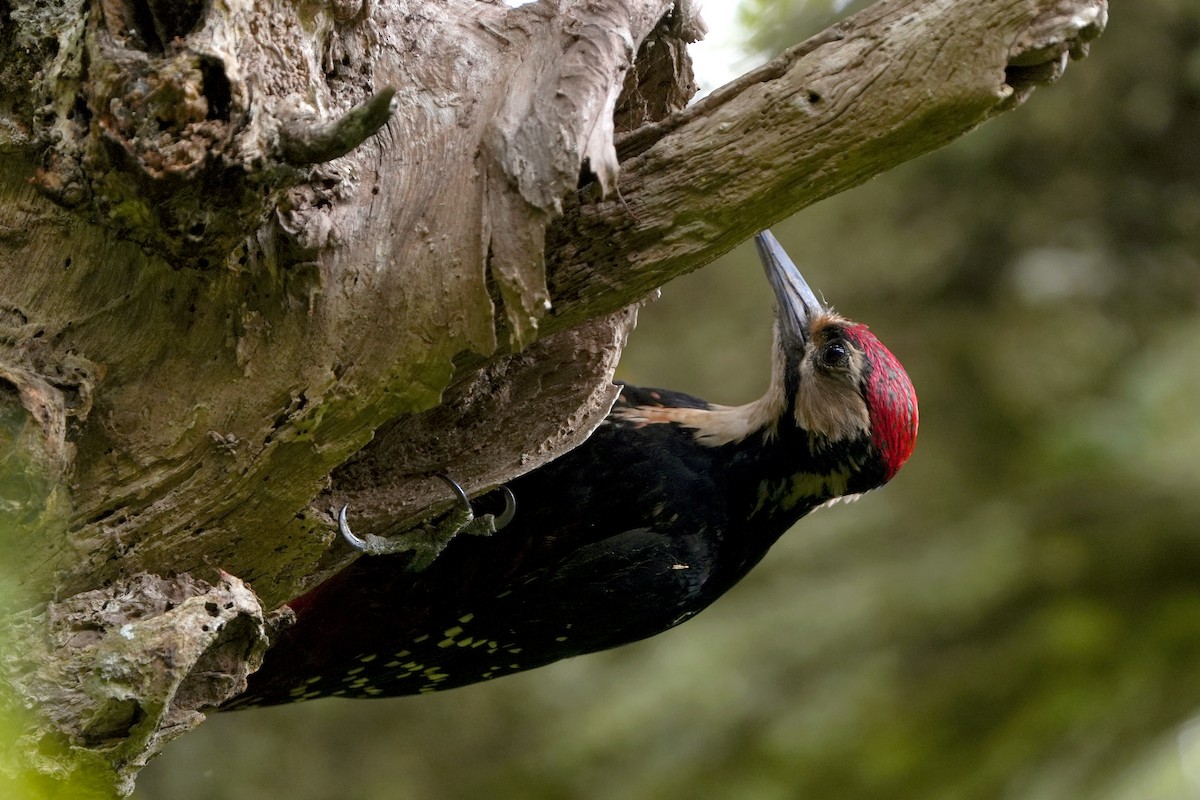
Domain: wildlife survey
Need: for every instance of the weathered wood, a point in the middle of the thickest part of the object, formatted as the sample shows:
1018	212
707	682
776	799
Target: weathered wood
893	82
119	672
241	371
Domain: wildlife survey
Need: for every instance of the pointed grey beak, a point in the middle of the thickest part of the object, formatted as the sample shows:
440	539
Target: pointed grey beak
797	303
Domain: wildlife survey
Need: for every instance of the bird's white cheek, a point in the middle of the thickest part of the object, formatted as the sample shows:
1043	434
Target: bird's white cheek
830	408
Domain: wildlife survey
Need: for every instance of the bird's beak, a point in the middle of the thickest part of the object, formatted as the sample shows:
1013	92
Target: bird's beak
797	303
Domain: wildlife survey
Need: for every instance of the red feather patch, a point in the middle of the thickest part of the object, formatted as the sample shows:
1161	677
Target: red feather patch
891	401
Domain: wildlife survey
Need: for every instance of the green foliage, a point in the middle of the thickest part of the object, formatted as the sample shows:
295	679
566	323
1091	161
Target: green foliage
1017	615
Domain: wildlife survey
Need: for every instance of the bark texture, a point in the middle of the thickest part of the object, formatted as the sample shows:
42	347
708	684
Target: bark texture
262	259
121	671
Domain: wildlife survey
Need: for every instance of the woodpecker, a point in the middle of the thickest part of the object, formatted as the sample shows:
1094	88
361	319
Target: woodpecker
664	508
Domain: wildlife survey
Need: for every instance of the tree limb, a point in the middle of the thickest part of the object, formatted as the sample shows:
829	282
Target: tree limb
893	82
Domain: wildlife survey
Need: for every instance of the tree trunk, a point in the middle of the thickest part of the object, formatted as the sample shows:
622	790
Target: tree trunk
263	260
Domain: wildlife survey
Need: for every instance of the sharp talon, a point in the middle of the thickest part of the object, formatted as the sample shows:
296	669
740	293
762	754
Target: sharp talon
510	508
510	502
458	490
347	534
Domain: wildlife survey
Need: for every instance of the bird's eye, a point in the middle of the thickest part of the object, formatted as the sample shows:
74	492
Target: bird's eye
834	355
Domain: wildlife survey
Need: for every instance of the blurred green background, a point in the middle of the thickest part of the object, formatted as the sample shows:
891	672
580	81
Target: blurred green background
1016	616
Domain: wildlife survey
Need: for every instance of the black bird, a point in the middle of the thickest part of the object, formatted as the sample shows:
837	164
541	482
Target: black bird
668	505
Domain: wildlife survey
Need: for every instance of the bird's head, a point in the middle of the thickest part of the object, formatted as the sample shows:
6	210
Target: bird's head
832	378
833	384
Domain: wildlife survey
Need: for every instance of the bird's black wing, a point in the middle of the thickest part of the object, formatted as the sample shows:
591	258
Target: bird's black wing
623	588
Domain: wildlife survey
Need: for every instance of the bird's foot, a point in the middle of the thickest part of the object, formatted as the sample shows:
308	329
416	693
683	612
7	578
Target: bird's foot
426	542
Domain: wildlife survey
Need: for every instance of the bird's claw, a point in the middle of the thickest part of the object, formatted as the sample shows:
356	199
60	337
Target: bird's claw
371	544
465	519
427	541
